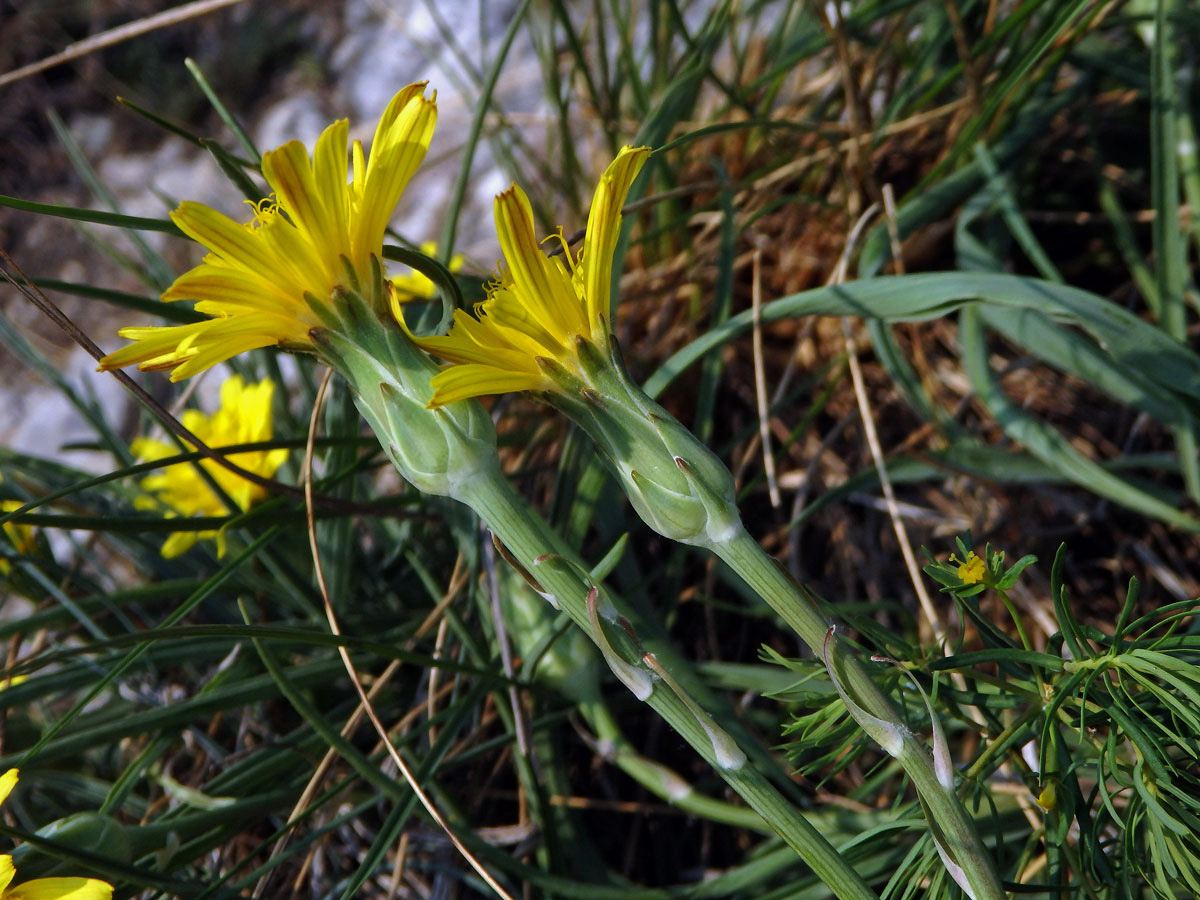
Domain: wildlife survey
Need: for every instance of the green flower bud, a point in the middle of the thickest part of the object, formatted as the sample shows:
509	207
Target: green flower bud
676	484
437	450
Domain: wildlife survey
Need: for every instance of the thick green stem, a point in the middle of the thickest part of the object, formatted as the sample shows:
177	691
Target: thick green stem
686	493
950	824
528	539
450	451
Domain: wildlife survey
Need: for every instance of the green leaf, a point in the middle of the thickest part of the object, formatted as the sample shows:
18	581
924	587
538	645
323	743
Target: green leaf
1046	443
997	655
99	217
913	298
1009	578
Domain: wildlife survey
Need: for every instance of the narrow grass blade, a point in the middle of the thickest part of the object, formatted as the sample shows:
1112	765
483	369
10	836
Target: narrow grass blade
172	312
97	216
234	169
450	229
101	684
1170	264
1046	443
226	116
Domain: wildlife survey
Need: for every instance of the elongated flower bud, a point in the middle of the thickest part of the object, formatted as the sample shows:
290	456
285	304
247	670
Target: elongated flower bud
676	484
437	450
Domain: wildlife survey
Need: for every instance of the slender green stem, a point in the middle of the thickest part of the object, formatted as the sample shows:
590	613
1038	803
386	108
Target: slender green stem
1001	743
1038	674
949	822
529	539
657	778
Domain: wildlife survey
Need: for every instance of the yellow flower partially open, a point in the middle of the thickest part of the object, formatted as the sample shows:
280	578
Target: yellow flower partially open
317	232
244	417
44	888
540	304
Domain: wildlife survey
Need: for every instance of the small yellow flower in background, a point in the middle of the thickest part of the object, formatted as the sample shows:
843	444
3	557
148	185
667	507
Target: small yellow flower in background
300	244
244	417
540	304
8	681
44	888
972	569
414	285
1048	798
21	537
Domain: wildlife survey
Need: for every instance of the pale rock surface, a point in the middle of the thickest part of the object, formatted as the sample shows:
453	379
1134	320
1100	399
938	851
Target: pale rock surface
386	45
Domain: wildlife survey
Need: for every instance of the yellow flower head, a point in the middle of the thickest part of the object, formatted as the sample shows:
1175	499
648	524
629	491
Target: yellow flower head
44	888
540	305
21	537
972	569
244	417
414	285
319	231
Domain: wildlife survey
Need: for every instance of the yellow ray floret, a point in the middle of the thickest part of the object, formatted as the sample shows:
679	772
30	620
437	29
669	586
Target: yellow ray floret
244	417
539	304
321	219
44	888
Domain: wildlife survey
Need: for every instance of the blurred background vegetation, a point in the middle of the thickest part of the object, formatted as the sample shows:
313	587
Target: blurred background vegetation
198	704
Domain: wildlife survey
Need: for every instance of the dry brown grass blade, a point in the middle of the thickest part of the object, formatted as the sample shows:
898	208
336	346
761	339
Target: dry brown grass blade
861	176
399	868
118	35
363	698
458	580
760	384
431	700
969	63
932	618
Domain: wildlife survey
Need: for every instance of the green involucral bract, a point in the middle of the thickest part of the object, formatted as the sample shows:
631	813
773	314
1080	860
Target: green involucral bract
438	451
676	484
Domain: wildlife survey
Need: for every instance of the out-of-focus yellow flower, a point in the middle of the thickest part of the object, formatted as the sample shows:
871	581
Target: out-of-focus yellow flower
414	285
540	305
972	569
20	536
317	232
1048	798
244	417
44	888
